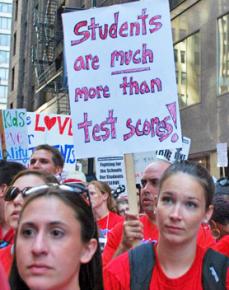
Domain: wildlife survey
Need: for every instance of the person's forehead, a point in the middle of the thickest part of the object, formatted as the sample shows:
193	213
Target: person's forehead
155	170
42	154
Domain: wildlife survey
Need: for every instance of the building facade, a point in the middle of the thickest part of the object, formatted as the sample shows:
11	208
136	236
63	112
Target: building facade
201	50
5	37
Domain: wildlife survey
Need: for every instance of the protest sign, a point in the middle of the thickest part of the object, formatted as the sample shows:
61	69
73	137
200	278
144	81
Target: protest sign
14	135
222	159
55	130
121	78
112	171
141	160
177	154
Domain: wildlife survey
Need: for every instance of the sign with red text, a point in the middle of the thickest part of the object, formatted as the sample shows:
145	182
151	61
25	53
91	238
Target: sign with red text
52	129
121	78
15	136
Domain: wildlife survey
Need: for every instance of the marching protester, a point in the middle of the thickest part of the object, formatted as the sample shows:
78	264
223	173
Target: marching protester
220	217
14	200
103	209
139	230
47	158
56	243
176	261
8	169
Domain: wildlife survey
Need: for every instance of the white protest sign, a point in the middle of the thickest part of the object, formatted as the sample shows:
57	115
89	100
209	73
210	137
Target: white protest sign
112	171
55	130
15	135
177	154
141	160
222	158
121	78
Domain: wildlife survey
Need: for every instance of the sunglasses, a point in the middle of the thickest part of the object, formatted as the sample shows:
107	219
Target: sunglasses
13	191
79	189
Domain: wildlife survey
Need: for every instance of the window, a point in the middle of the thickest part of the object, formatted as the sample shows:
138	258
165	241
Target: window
4	57
6	7
3	93
4	74
4	40
16	10
15	43
5	23
223	54
12	78
188	70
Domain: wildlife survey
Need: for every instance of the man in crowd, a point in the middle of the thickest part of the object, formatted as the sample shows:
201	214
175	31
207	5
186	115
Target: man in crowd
8	170
47	158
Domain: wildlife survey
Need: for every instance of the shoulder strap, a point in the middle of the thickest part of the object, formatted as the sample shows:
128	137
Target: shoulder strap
214	272
142	260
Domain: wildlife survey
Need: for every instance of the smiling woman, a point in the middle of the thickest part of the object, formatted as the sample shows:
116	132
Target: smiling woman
56	243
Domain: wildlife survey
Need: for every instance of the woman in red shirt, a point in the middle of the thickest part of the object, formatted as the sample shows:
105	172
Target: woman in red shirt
184	202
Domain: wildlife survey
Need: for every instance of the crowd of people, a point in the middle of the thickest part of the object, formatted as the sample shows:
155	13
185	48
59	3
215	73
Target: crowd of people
70	235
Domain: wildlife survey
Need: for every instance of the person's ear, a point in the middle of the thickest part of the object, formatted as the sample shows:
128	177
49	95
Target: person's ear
88	251
105	196
208	214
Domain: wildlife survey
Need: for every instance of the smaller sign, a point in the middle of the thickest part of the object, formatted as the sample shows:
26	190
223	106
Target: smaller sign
15	134
222	159
177	154
112	171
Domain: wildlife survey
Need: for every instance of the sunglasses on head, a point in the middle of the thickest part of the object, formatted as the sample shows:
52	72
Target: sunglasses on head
13	191
77	188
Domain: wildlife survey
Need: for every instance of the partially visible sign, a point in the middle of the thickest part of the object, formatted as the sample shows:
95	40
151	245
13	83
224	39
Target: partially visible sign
177	154
112	171
141	160
222	158
55	130
15	135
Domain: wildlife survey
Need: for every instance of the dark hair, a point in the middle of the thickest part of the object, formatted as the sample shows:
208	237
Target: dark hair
198	172
47	178
105	188
8	169
57	158
221	210
90	276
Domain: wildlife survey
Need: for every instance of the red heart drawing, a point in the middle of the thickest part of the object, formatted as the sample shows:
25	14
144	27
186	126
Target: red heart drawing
49	122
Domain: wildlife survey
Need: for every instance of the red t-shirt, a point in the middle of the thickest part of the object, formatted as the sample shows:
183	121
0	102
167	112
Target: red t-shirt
108	222
205	238
222	246
3	280
117	275
6	258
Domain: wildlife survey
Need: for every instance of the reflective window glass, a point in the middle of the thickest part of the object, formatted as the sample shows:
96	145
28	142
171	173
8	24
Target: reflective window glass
188	70
4	57
6	7
4	39
5	23
4	74
223	55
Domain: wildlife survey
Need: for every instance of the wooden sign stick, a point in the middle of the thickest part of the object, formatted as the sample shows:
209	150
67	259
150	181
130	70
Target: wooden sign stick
131	187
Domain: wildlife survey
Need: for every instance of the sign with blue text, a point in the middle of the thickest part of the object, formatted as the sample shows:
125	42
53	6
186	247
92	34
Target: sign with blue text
121	78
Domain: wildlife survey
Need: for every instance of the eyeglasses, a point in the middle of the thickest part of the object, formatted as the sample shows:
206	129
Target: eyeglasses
77	188
13	191
223	182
